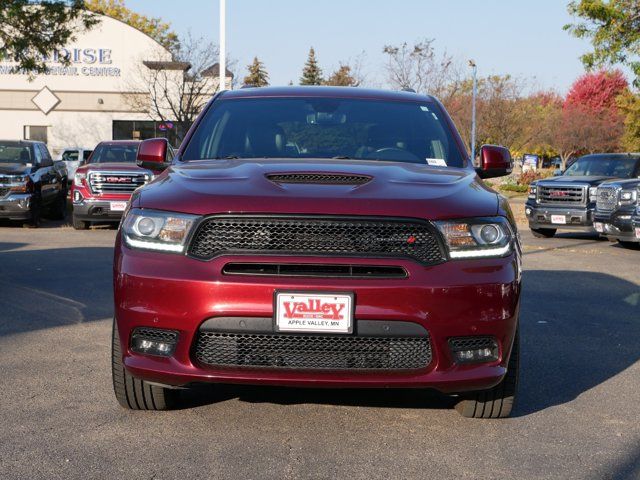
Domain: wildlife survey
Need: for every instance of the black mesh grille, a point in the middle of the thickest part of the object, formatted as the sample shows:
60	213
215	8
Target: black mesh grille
317	236
472	343
320	178
317	352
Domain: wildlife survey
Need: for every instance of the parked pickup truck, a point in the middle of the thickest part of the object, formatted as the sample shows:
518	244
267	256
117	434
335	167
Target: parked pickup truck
569	201
319	236
617	202
102	187
73	157
30	182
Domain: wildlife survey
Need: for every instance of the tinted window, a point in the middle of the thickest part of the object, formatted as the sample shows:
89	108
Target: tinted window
325	128
115	153
70	155
86	154
15	153
618	167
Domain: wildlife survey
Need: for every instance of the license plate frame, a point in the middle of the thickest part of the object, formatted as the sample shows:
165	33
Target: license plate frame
637	232
312	321
117	206
559	219
599	227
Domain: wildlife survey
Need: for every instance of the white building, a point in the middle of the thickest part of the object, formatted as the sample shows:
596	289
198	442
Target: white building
89	100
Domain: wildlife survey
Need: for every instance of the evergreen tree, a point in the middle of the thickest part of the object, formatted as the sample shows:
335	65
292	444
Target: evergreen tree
311	73
258	76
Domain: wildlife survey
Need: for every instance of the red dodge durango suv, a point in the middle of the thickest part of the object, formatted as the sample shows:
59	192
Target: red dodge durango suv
318	236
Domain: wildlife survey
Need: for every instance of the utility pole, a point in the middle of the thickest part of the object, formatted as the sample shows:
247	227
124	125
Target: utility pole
474	68
223	46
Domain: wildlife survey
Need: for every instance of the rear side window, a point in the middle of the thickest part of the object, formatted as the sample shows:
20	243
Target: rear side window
70	155
86	154
357	129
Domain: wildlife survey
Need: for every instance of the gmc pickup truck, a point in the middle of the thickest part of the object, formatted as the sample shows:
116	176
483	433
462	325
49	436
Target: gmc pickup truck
30	182
569	201
617	202
319	236
103	185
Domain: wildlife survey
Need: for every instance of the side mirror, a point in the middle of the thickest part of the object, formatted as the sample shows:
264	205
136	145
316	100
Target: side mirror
495	161
153	154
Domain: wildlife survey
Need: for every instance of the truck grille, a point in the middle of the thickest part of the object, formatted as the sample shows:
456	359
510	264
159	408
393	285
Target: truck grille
562	195
317	236
607	198
116	182
4	191
312	352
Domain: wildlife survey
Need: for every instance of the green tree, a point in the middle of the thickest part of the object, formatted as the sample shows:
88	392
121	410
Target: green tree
258	76
629	105
613	26
311	73
30	31
154	27
342	78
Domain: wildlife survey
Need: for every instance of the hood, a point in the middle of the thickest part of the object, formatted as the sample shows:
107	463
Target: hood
110	167
580	179
14	168
626	184
388	189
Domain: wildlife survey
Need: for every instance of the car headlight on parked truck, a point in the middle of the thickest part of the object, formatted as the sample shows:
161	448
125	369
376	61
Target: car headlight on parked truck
20	184
157	230
477	237
593	194
628	197
78	178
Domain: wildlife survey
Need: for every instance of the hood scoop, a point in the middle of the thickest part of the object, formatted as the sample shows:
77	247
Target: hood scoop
319	178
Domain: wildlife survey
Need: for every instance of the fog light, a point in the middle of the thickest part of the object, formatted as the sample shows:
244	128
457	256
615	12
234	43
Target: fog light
528	211
77	196
474	349
154	341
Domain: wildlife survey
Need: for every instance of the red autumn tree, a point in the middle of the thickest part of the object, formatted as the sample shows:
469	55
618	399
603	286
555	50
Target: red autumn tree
597	92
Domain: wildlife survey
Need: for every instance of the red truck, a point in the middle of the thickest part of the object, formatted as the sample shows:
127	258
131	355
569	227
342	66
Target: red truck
319	236
103	185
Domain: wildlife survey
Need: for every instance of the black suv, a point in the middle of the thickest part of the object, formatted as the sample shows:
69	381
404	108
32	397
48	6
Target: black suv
30	182
616	205
568	201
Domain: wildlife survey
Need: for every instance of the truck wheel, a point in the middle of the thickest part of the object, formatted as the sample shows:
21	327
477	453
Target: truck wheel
59	208
631	245
36	208
496	402
133	393
80	224
543	232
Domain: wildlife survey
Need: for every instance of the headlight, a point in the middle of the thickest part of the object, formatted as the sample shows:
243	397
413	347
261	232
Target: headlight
533	189
156	230
478	237
593	193
19	184
628	196
78	178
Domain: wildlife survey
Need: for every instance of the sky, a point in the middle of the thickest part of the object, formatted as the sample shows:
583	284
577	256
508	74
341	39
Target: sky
522	38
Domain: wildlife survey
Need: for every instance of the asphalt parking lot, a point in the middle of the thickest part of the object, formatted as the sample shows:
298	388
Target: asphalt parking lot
577	414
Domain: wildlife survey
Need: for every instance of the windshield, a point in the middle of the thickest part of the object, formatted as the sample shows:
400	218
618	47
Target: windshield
115	153
325	128
617	167
15	153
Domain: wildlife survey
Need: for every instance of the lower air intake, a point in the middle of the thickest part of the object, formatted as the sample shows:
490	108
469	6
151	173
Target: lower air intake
312	352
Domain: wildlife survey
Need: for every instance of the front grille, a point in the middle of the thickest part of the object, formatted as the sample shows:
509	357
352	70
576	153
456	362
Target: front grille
314	270
312	352
116	182
317	236
607	198
4	191
320	178
562	195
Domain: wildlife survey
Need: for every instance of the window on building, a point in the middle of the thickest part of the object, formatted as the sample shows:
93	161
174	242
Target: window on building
35	132
144	129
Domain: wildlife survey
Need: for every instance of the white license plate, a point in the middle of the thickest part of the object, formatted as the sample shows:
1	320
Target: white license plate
637	232
599	227
117	206
314	312
559	219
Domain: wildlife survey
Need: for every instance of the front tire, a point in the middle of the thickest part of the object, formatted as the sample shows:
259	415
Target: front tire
498	401
79	224
59	209
35	212
133	393
543	232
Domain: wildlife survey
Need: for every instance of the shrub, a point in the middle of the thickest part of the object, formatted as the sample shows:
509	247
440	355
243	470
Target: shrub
510	187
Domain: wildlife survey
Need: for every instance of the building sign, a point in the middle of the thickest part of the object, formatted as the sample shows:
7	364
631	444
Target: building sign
88	62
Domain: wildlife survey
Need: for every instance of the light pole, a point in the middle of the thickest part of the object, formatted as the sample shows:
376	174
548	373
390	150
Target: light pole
474	69
223	46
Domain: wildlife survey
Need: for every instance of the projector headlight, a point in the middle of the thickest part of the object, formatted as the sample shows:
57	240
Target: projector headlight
478	237
78	178
593	194
157	230
628	196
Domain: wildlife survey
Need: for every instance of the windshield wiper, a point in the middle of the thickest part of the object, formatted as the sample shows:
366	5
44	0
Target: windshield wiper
228	157
342	157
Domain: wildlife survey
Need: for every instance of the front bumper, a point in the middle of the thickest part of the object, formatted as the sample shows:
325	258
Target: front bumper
576	218
617	225
97	210
454	299
16	206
